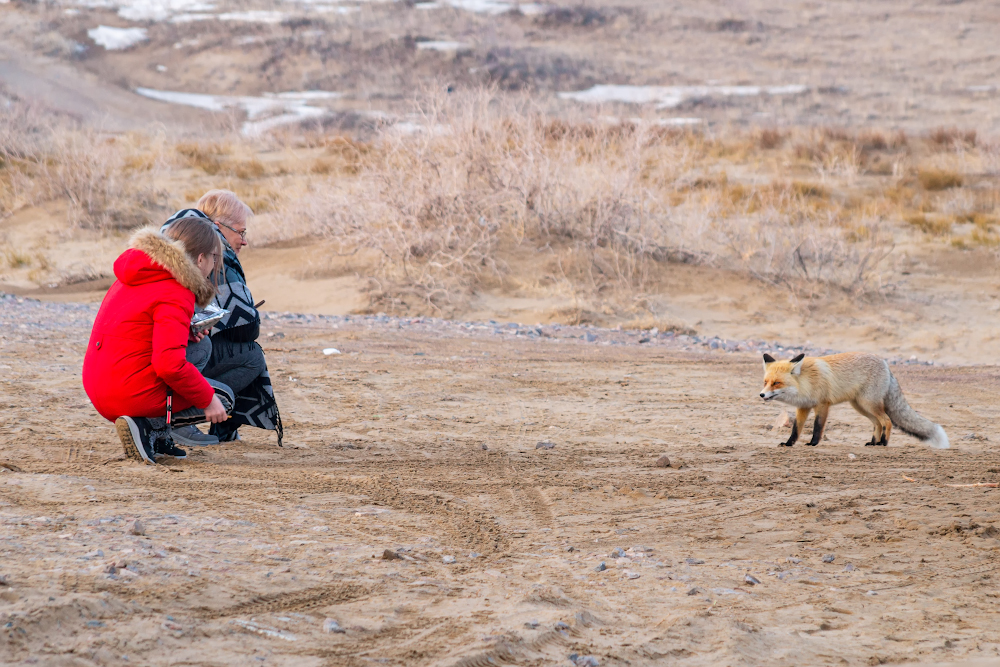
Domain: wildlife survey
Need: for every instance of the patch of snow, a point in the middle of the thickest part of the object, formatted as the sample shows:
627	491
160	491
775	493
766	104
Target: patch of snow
661	122
442	46
117	39
263	113
485	6
668	97
159	10
309	95
326	9
253	16
188	18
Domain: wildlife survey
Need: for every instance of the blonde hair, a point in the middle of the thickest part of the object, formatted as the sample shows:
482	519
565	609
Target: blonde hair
223	204
199	237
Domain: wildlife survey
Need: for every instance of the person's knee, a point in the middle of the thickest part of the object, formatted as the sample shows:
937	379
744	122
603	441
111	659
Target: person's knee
200	353
225	394
257	361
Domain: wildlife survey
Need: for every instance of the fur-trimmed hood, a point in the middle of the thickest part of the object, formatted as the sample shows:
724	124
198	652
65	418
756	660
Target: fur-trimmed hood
151	254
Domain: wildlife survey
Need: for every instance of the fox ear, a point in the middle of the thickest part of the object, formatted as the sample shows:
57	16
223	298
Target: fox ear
768	359
797	364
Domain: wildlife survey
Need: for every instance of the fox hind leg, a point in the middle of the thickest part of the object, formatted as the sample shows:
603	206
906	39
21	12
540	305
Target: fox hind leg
876	423
886	423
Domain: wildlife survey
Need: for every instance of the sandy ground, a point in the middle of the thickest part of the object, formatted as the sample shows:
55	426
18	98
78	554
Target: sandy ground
422	439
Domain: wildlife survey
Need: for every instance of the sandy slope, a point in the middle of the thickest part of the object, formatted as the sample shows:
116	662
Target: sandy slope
385	450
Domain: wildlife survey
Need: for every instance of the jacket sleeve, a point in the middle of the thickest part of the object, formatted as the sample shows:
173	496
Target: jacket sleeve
171	327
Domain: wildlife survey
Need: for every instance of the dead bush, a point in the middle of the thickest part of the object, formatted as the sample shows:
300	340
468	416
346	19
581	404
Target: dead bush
484	175
939	179
952	137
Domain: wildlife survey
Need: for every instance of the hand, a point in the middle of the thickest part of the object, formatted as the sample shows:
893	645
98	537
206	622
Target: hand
197	337
215	413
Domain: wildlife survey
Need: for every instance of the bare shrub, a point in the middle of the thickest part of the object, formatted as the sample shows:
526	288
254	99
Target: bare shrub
22	133
446	200
108	180
952	137
939	179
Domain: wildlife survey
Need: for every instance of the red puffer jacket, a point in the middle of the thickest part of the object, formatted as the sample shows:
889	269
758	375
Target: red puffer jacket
138	344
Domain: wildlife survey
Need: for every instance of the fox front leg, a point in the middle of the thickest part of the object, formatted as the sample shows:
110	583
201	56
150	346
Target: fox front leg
801	414
820	424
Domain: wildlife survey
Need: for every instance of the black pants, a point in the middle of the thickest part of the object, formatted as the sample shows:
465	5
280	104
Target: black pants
235	365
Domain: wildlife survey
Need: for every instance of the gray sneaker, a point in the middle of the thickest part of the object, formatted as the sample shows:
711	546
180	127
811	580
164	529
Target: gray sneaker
192	437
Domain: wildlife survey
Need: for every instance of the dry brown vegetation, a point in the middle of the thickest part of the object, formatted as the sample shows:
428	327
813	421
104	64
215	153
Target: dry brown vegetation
481	185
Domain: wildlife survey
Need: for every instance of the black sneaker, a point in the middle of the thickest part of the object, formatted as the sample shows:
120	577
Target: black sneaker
134	433
168	448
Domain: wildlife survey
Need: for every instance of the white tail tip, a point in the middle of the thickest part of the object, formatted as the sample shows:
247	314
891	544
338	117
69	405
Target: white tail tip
939	440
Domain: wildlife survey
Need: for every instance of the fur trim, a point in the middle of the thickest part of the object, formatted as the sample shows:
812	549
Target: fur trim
170	254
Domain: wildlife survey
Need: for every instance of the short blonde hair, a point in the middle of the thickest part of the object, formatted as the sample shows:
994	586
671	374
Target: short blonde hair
223	204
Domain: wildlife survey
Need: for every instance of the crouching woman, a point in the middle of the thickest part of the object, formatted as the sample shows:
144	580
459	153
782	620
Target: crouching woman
135	359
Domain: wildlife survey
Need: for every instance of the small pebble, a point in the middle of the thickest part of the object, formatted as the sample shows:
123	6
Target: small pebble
485	448
330	625
618	552
871	593
849	568
793	560
829	558
474	555
561	626
694	561
389	554
584	660
631	575
135	528
448	560
693	591
331	350
851	456
663	462
531	625
545	444
570	549
602	567
752	580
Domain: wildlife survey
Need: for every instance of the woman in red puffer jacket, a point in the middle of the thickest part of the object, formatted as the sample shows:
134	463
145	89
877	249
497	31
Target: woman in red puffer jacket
136	352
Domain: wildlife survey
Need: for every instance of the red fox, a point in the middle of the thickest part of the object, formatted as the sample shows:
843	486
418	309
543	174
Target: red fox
863	379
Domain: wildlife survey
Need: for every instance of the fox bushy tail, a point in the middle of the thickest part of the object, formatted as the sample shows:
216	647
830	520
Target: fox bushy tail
907	420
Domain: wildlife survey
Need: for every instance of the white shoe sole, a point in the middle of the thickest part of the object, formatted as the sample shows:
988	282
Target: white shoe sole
128	433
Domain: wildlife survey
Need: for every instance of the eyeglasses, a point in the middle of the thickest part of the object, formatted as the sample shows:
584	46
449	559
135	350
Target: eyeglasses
243	234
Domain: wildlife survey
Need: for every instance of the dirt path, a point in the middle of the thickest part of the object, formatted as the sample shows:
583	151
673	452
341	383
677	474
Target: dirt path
421	439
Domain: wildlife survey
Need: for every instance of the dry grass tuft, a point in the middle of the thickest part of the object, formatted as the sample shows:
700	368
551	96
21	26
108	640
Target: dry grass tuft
934	225
488	177
939	179
770	139
951	138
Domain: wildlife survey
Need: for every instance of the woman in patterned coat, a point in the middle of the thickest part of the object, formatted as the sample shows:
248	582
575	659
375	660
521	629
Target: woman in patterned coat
236	359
